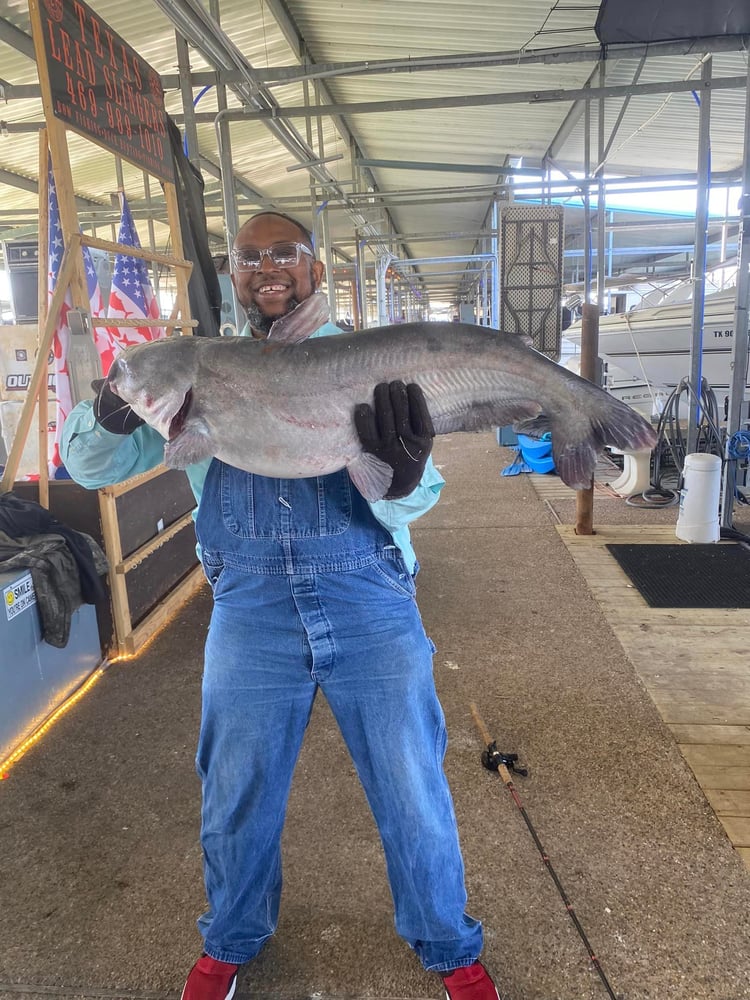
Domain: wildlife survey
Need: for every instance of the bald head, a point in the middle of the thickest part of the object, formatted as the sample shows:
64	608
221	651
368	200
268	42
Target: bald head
270	291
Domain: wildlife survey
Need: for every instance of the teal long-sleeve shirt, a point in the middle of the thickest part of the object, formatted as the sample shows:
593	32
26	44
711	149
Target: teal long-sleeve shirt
95	457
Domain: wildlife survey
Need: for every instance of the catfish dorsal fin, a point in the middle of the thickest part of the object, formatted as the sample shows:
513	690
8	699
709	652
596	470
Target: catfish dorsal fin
303	320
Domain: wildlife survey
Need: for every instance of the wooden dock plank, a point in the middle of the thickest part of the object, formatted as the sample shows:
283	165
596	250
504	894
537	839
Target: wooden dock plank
711	734
738	829
681	686
729	801
723	755
691	647
723	778
685	709
693	662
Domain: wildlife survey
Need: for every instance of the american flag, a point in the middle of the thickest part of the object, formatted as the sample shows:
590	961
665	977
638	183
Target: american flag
64	400
131	295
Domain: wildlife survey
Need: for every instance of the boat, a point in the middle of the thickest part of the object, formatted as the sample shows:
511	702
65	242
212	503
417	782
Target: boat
651	346
635	390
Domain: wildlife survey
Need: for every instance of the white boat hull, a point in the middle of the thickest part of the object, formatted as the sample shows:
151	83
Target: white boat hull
653	345
634	390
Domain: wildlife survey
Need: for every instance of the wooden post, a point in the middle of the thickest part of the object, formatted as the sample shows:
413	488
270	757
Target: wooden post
356	318
589	352
58	146
117	588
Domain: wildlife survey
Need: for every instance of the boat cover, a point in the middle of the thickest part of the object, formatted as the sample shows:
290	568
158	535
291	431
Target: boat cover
622	21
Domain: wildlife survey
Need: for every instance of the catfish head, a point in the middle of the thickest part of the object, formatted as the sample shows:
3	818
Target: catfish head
157	380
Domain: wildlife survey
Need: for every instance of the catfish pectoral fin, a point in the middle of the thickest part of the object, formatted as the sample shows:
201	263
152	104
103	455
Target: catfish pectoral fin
534	427
483	414
190	446
371	476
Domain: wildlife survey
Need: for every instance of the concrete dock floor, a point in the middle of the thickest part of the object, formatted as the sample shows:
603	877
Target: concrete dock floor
100	882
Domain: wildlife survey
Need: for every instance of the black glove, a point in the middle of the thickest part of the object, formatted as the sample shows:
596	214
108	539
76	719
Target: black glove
113	413
399	432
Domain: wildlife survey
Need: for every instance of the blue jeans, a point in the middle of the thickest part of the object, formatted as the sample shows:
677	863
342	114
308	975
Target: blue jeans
275	638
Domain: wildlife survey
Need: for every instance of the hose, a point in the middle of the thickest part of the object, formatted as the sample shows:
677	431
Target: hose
664	490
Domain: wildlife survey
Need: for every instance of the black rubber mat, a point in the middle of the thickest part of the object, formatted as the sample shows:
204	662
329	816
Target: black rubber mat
688	576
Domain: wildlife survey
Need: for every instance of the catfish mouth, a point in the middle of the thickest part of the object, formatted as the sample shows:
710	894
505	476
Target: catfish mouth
177	424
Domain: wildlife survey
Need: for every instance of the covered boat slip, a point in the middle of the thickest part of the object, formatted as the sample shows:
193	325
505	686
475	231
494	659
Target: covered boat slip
567	667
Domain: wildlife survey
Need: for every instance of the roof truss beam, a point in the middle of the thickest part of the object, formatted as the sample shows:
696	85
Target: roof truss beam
27	184
452	168
584	94
469	60
16	38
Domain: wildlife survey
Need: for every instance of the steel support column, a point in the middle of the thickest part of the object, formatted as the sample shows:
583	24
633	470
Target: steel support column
186	92
226	175
600	200
495	261
699	263
737	388
381	267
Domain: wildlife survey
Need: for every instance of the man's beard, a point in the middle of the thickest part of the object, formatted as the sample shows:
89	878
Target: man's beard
259	321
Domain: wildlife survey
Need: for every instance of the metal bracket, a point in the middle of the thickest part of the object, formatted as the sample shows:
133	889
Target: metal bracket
79	322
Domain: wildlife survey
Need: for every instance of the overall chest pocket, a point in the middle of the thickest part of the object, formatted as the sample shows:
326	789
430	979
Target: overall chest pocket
257	507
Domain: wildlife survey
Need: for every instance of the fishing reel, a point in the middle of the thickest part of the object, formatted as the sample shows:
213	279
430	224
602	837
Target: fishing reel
492	759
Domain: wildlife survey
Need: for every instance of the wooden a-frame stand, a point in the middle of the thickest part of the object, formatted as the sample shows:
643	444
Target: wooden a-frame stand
127	639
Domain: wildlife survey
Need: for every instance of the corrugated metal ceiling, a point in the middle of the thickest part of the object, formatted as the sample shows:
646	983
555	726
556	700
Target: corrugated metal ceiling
658	132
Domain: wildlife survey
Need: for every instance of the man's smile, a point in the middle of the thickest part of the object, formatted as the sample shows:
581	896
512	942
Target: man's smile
271	288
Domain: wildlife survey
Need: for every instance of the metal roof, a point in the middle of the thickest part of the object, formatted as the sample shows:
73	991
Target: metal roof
504	87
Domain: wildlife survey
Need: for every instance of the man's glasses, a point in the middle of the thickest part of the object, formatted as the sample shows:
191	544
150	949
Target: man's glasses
280	255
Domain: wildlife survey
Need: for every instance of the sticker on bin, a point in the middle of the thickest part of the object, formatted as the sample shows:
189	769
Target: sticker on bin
19	596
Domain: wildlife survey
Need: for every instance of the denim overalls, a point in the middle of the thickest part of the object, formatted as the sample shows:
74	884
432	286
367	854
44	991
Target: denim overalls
310	591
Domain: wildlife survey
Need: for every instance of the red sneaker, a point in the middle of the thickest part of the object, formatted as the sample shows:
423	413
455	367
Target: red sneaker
210	979
472	982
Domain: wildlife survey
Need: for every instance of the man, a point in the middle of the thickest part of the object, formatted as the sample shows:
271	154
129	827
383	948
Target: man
313	589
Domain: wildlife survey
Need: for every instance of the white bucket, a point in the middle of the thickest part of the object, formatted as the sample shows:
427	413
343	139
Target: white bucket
698	520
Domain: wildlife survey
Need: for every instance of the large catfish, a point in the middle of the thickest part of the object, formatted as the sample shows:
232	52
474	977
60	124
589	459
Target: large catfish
282	408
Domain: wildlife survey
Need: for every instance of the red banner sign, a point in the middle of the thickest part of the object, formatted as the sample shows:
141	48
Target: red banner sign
102	88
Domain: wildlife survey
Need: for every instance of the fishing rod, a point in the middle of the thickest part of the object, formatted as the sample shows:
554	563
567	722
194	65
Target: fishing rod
503	763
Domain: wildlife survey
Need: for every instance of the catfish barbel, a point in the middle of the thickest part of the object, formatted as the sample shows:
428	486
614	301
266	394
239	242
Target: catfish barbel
284	408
